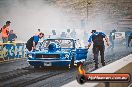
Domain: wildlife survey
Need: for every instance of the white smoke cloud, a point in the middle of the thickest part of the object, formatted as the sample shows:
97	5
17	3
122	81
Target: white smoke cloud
29	15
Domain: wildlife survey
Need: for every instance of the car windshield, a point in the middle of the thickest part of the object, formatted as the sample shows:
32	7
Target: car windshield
63	43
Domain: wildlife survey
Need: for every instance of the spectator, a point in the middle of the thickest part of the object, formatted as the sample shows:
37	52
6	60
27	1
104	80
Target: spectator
111	39
53	32
73	34
12	36
68	33
5	32
130	40
63	35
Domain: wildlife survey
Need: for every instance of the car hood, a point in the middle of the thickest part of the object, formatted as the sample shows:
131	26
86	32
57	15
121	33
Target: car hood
46	52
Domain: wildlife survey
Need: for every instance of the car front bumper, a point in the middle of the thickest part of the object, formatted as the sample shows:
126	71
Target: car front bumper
58	63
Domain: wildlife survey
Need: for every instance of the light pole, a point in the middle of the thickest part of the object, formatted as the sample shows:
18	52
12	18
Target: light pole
86	22
88	3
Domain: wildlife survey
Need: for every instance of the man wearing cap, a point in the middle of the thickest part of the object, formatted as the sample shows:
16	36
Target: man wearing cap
32	42
5	32
98	46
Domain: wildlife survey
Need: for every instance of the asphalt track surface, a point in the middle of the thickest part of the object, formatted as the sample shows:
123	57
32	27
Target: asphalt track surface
20	74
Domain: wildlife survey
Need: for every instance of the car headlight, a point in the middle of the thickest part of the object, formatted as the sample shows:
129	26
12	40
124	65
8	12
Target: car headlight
66	56
29	55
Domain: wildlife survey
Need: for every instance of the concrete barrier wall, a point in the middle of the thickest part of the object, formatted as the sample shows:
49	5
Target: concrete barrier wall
123	65
125	69
11	51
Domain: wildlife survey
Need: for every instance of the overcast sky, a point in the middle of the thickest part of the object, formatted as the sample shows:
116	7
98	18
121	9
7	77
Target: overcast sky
29	15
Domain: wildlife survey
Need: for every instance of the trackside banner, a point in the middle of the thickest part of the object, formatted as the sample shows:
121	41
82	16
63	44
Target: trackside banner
83	77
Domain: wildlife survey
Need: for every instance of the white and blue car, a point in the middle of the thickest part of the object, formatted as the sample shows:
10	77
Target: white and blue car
57	52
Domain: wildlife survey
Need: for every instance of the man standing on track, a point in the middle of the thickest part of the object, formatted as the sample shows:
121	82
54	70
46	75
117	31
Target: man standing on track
98	45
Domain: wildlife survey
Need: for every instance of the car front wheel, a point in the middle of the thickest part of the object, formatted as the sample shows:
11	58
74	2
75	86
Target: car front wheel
36	67
72	63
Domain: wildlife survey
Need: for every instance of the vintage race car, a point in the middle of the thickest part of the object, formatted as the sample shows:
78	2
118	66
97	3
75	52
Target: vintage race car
57	52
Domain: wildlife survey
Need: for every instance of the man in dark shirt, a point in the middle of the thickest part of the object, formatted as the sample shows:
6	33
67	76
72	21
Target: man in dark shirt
98	45
12	36
32	42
